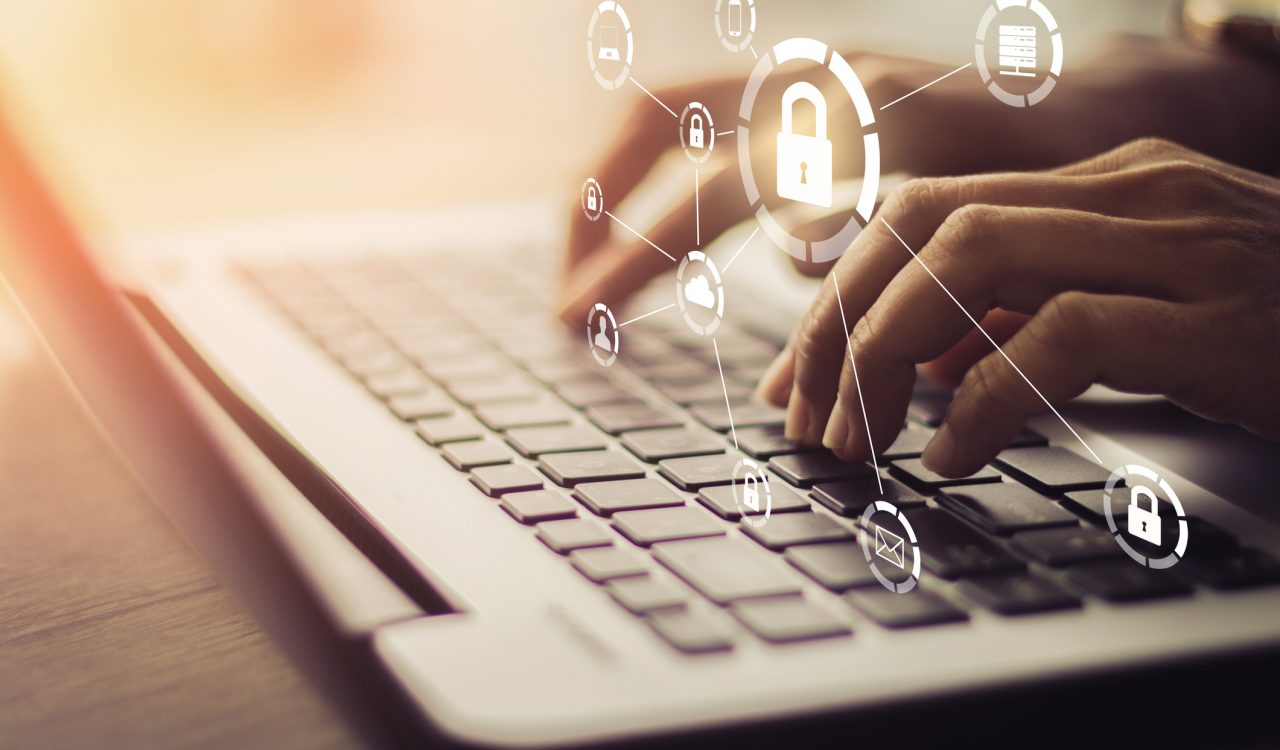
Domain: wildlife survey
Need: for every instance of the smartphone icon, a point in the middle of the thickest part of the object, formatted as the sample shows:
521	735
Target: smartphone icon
735	17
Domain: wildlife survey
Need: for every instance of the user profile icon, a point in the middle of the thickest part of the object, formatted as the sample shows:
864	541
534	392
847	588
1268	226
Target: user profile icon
699	293
592	199
603	338
610	45
751	493
735	23
890	547
697	132
1018	51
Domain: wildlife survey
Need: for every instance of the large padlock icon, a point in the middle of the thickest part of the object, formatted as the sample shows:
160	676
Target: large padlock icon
804	161
591	198
696	136
750	493
1143	523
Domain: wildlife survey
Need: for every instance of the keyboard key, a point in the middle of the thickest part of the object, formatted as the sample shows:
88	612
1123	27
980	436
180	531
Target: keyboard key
616	419
425	405
808	469
1088	503
380	362
1006	507
840	566
563	372
745	414
790	529
725	570
494	390
476	453
703	390
573	533
652	446
787	619
568	469
909	444
646	527
781	500
605	498
912	609
496	481
1125	581
398	383
536	441
538	506
1237	569
764	443
690	632
443	430
504	417
696	472
1068	545
951	549
1053	469
470	366
643	595
929	406
602	564
1017	593
912	471
581	395
851	497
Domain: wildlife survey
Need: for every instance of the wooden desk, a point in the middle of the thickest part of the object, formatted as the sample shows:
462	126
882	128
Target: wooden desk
112	632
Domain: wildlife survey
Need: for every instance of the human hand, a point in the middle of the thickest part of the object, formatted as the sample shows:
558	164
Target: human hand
1151	269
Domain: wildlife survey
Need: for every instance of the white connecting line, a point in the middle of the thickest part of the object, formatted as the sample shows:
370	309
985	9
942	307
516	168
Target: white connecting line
993	342
656	99
697	212
858	384
754	232
727	408
922	88
641	236
642	317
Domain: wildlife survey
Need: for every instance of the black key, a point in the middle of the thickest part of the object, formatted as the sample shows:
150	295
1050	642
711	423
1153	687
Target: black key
1017	593
538	506
696	472
725	569
781	500
702	390
1125	581
426	405
912	609
808	469
1006	507
494	390
851	497
443	430
580	395
536	441
568	469
398	383
951	549
673	442
605	498
602	564
840	566
504	417
910	443
1028	437
646	527
1237	569
676	373
476	453
745	414
690	632
766	442
912	471
573	533
787	619
929	407
1053	469
1068	545
643	595
616	419
496	481
1088	503
796	528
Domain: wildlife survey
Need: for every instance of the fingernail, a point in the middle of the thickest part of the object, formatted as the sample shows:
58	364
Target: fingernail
941	453
837	433
798	416
772	387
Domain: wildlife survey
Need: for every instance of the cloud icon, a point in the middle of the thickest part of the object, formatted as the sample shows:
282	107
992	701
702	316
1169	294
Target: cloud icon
698	291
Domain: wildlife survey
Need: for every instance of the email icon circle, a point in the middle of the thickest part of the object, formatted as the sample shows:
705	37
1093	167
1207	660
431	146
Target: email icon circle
890	547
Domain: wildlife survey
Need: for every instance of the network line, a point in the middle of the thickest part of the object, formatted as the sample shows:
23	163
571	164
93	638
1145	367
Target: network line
857	383
641	236
927	85
656	99
651	312
728	409
754	232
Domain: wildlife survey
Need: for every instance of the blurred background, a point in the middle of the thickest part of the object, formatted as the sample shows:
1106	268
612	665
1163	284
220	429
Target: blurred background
170	112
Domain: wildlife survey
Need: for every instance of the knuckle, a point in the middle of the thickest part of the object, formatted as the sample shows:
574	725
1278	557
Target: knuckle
1151	146
963	230
982	388
1070	324
919	193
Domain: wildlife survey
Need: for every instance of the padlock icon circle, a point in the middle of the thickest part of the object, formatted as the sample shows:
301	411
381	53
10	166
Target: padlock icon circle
804	161
750	493
592	200
697	138
1143	523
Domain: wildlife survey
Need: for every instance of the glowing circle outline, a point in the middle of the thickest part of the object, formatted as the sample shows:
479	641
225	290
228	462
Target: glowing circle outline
1179	549
610	6
603	309
885	506
697	256
1055	41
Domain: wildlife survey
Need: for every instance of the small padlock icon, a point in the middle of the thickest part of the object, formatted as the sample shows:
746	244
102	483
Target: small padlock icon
750	494
804	161
591	198
1143	523
696	138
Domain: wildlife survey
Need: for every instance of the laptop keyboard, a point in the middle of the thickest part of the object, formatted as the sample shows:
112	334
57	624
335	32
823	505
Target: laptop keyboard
600	462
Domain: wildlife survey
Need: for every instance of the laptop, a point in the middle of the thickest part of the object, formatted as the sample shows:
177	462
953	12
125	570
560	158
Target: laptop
609	43
564	557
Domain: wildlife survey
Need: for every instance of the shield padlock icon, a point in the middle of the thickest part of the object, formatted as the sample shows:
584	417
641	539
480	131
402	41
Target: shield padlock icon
804	161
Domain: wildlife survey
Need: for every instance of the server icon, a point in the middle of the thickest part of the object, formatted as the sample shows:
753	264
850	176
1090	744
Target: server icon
1018	51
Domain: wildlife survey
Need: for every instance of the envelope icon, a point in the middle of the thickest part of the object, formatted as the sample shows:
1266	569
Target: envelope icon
889	547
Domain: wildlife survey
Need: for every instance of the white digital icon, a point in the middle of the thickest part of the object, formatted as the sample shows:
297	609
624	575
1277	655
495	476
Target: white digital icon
592	199
697	132
699	294
735	18
1144	523
890	547
735	23
804	161
1017	51
1018	44
1144	515
602	335
610	45
751	493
